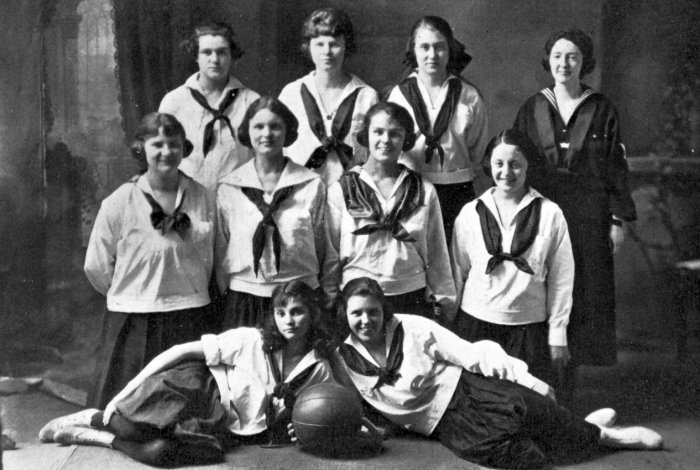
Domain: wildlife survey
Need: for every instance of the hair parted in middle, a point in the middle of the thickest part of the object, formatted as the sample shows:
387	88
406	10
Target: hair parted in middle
395	112
211	28
150	126
328	22
522	142
291	124
458	59
364	287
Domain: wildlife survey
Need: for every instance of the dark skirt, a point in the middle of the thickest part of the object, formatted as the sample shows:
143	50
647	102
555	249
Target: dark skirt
411	302
452	198
130	340
529	343
243	309
498	423
184	404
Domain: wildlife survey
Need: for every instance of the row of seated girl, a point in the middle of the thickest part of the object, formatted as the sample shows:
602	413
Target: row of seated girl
198	400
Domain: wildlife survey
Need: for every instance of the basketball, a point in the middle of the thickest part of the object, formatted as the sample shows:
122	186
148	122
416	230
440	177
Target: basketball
326	418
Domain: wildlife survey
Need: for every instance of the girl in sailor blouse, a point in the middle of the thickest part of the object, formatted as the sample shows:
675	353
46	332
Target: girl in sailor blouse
512	262
151	254
329	102
448	111
270	214
198	399
383	221
476	400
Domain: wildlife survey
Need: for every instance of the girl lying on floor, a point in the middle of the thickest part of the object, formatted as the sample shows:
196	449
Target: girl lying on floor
194	401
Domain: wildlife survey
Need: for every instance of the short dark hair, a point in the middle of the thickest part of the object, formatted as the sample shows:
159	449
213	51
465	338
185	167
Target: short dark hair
149	127
519	140
291	124
365	287
300	291
396	112
581	40
458	58
328	22
211	28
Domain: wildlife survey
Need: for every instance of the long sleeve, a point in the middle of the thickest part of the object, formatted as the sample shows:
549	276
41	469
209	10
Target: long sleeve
616	171
560	282
477	137
332	270
220	247
459	256
101	254
437	261
318	215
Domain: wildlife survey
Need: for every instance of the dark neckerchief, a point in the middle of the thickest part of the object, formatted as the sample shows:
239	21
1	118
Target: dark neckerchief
577	134
387	375
230	96
255	196
361	202
411	92
179	222
339	129
286	391
527	222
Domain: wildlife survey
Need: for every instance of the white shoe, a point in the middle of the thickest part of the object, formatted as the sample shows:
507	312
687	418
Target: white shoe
603	418
81	418
84	436
636	437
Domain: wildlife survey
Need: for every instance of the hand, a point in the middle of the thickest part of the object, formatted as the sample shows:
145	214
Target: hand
560	356
617	236
109	411
292	434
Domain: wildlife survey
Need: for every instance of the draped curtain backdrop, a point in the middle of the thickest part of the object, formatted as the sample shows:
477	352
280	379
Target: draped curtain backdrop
149	60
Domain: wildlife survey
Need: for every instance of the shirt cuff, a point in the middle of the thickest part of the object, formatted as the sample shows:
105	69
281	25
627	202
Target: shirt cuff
557	335
212	352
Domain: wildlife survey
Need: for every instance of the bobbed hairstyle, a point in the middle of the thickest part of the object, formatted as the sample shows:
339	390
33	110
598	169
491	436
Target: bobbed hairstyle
521	141
291	124
395	112
281	296
364	287
458	59
328	22
149	127
581	40
211	28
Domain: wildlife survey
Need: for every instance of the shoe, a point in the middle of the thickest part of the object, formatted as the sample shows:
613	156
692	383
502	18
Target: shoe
636	437
81	418
84	436
603	418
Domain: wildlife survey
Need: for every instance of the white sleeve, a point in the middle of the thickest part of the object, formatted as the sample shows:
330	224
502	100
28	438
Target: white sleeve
101	254
459	255
332	271
560	281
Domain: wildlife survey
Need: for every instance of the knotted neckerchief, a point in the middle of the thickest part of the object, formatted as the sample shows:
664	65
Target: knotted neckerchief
361	202
387	375
545	129
178	222
286	391
411	92
218	115
527	222
339	129
255	196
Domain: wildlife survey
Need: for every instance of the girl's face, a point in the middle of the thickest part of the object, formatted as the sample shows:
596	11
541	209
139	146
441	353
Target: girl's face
432	51
365	318
565	61
327	52
385	137
293	319
163	153
214	57
509	169
267	133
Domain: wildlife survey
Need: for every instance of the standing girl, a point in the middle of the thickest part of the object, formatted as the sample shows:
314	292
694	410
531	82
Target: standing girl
383	221
211	104
329	102
151	255
195	400
448	111
477	401
270	217
512	262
